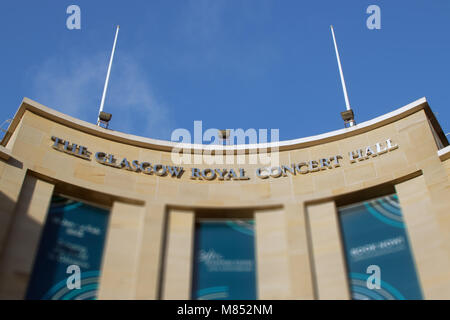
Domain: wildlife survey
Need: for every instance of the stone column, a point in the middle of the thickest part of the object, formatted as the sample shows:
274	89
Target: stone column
11	181
301	276
272	255
121	255
151	255
328	252
431	259
178	255
23	240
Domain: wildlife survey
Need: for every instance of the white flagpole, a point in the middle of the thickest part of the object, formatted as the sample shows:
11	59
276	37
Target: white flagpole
344	88
107	76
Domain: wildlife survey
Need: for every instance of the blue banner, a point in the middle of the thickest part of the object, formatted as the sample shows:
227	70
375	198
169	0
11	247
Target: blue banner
74	234
224	261
375	237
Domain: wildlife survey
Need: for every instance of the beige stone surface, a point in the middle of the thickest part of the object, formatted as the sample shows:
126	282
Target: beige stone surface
327	251
11	180
302	238
432	260
447	167
23	239
150	256
300	273
178	259
272	254
118	279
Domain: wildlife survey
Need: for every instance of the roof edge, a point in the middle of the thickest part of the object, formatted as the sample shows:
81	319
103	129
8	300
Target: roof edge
163	145
444	154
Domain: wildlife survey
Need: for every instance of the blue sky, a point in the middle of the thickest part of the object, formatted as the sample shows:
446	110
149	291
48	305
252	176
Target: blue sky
232	64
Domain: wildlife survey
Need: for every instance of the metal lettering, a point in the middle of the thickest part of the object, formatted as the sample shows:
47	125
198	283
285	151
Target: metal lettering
360	156
290	169
390	146
195	173
259	175
146	167
83	153
208	177
313	166
231	174
221	173
100	157
159	172
175	171
126	164
369	152
379	150
324	164
135	166
111	161
276	175
336	160
242	175
300	165
57	142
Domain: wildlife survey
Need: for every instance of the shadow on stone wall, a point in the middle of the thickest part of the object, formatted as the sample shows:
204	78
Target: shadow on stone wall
16	230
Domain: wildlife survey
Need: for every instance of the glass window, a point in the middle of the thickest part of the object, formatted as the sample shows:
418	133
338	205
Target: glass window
224	260
73	235
379	258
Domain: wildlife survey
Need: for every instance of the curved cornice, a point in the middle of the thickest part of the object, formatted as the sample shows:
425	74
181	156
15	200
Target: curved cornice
162	145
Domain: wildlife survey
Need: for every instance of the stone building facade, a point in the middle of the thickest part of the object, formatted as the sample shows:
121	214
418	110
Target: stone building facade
331	209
